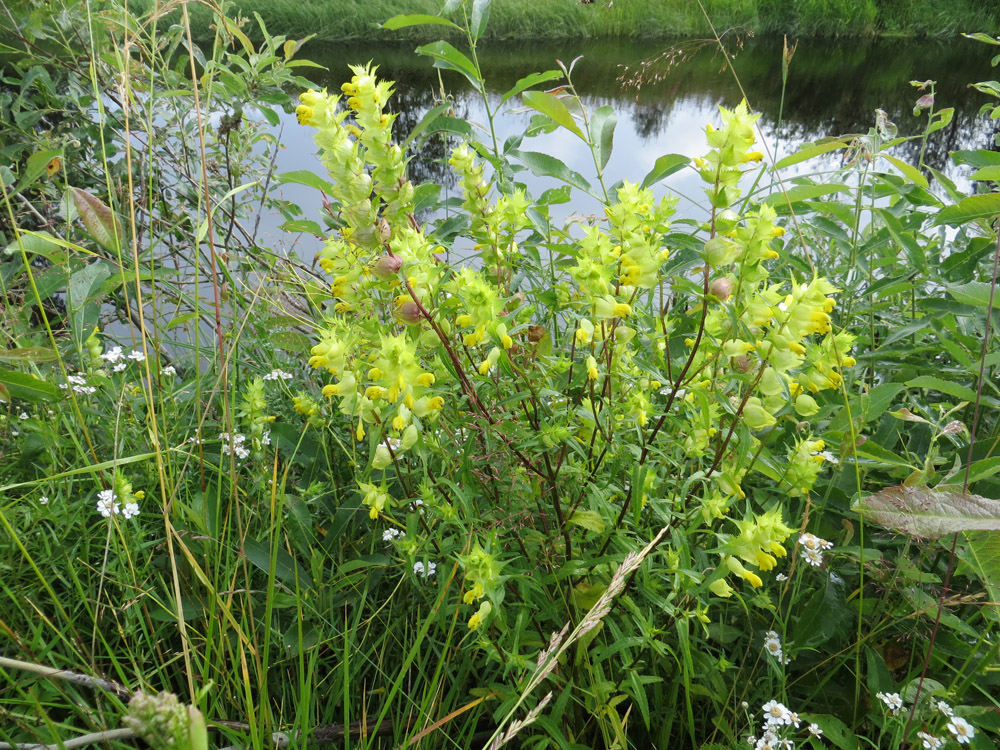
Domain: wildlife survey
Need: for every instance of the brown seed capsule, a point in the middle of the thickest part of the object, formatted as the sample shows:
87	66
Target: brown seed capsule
721	288
387	267
743	363
408	313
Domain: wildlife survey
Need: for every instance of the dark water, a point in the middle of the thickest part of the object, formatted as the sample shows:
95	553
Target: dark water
665	93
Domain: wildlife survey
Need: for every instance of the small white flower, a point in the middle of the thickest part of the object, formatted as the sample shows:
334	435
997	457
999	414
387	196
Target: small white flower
43	500
24	415
775	714
815	730
962	730
426	572
829	457
929	741
107	505
812	556
892	701
393	443
131	510
169	371
772	644
112	355
265	439
811	541
795	719
781	577
119	367
944	708
392	533
136	355
278	375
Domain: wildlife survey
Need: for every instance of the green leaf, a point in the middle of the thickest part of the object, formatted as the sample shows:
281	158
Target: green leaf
973	293
973	208
35	167
101	223
29	354
984	468
552	107
809	151
448	58
528	81
403	21
39	243
835	731
665	166
908	170
942	386
286	569
804	192
987	173
979	157
588	519
544	165
28	387
602	127
980	551
927	513
480	16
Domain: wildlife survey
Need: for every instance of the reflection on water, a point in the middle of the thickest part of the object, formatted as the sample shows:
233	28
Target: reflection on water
833	88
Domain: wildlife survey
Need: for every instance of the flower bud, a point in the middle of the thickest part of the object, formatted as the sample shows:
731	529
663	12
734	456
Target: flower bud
805	406
387	267
719	251
721	288
408	313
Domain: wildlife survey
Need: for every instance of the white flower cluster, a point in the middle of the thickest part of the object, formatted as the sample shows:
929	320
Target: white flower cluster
169	371
812	549
392	534
772	644
278	375
959	728
778	721
427	572
79	385
108	505
892	701
234	444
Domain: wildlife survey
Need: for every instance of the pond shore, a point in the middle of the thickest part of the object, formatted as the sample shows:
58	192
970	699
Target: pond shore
346	20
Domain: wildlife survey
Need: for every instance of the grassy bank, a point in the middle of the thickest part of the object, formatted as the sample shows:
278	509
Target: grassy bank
341	20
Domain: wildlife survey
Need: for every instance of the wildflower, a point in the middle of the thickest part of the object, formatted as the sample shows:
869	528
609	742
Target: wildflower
23	415
814	730
893	701
43	500
107	505
391	534
772	644
79	385
113	355
477	619
131	510
929	741
419	569
278	375
962	730
775	714
136	355
234	445
944	708
119	367
812	549
169	371
781	577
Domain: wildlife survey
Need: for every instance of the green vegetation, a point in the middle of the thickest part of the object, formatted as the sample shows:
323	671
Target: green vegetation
344	20
629	480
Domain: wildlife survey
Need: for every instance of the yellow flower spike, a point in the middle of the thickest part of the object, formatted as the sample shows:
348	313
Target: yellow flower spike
778	232
753	579
360	435
506	341
765	561
592	372
329	391
398	423
408	400
392	395
304	114
754	156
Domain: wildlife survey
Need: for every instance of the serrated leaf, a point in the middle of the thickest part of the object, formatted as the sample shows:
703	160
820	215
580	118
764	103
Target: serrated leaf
588	519
101	223
28	387
602	127
973	208
552	107
927	513
665	166
942	386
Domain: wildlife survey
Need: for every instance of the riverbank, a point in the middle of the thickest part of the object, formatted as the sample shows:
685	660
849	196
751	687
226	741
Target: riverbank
346	20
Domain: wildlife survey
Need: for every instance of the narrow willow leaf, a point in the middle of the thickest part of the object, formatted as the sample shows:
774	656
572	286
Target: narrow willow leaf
101	222
544	165
810	151
528	81
942	386
909	171
973	208
28	387
552	107
928	513
665	166
28	354
446	56
602	127
480	17
402	21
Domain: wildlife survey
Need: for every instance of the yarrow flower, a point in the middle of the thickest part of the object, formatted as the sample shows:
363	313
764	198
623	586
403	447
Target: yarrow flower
929	741
136	355
961	730
234	444
893	701
43	500
169	371
812	549
278	375
419	569
776	714
391	534
113	355
131	510
815	730
79	385
772	644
